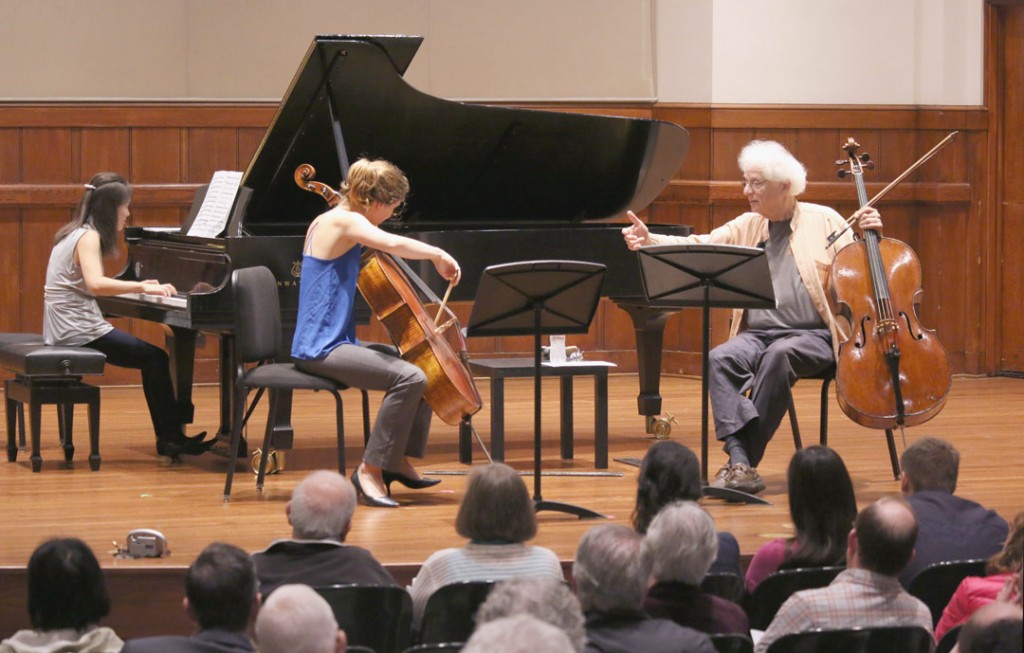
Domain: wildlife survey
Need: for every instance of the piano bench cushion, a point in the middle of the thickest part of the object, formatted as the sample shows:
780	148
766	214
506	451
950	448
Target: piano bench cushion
31	359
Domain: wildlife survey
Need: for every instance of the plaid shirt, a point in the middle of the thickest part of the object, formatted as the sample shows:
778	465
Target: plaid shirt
856	598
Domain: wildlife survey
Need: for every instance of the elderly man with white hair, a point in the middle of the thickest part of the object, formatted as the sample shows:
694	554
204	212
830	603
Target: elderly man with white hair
298	620
680	545
320	513
611	580
518	633
770	349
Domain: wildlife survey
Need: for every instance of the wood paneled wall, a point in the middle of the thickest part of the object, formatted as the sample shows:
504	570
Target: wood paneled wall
48	150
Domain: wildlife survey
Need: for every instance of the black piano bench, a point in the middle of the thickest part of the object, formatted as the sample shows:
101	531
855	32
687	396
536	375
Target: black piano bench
49	375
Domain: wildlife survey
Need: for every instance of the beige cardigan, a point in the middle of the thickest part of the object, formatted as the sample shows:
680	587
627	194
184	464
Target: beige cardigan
812	225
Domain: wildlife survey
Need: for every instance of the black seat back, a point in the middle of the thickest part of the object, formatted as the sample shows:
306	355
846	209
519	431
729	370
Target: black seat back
766	599
895	639
935	584
376	616
257	314
725	584
732	643
448	615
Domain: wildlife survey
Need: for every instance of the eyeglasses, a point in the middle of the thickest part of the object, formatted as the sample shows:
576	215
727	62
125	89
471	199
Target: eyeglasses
754	184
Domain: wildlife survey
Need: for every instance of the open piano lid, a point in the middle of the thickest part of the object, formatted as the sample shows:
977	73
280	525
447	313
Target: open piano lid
467	164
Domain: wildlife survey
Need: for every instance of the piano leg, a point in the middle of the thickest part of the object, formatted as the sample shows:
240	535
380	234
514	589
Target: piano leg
181	348
649	324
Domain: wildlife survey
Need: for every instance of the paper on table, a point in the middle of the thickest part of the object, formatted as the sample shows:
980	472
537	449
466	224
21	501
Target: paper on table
216	208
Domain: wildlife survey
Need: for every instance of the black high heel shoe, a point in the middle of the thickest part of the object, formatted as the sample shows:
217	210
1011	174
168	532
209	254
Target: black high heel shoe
376	502
176	448
411	483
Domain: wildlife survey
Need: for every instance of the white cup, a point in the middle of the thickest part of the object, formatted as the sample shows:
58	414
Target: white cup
557	350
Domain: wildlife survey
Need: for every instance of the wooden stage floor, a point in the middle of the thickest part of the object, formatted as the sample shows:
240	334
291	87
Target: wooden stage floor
137	489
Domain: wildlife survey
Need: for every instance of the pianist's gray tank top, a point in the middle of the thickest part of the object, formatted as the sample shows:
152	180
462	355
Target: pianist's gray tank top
71	315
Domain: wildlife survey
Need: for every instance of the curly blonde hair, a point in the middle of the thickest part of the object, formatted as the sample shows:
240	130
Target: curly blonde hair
374	181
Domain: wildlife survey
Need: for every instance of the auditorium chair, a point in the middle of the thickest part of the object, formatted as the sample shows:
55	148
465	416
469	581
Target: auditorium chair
731	643
726	585
769	595
935	584
257	339
892	639
378	617
450	611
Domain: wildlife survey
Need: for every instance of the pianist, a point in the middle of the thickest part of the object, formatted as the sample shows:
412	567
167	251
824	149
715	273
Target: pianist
71	316
769	349
325	340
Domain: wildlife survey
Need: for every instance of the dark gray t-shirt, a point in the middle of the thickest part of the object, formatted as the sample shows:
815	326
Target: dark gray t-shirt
793	306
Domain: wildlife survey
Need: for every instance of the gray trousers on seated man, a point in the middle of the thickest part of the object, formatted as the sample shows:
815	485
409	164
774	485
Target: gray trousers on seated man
767	362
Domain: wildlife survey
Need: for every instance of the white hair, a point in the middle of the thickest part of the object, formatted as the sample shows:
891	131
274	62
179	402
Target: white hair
544	597
322	505
610	573
681	543
775	163
295	619
521	633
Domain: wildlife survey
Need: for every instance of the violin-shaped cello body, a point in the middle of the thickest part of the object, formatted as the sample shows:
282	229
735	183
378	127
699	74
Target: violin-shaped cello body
439	351
891	371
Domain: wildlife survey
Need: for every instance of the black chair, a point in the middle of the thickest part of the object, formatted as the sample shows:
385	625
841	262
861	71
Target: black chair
948	640
894	639
257	339
826	377
935	584
358	649
378	617
440	647
732	643
727	585
448	615
766	599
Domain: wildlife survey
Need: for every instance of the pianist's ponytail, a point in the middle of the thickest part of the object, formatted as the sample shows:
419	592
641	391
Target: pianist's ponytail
104	194
374	181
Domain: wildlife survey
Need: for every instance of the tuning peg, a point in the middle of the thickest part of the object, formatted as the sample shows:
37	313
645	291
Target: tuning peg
841	162
843	172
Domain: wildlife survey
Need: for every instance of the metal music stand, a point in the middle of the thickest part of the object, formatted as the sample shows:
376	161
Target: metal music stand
719	276
538	297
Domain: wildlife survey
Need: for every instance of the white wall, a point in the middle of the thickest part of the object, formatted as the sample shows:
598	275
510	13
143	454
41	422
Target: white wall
704	51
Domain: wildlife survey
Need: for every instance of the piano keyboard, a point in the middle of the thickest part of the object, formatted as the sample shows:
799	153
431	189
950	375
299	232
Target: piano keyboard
176	301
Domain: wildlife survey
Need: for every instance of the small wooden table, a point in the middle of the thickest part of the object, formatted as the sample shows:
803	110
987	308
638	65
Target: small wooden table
499	369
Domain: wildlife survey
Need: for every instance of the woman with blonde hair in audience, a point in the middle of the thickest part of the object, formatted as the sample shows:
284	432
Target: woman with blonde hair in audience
66	600
1003	569
822	506
498	517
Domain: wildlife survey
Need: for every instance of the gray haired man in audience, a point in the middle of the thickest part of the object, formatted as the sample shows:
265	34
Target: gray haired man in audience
320	513
611	580
520	633
546	598
298	620
868	593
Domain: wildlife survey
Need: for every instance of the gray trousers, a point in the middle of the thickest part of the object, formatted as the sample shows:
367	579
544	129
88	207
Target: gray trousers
767	363
403	421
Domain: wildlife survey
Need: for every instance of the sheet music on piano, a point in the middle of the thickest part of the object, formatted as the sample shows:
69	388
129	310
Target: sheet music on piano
216	208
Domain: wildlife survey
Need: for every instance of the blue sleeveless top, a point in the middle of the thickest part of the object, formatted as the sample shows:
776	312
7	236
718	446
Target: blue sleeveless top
326	298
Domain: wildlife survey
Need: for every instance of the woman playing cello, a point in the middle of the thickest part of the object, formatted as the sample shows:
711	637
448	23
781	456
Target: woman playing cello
325	341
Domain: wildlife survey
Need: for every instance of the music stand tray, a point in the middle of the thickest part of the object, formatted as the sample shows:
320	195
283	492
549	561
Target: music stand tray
708	276
538	297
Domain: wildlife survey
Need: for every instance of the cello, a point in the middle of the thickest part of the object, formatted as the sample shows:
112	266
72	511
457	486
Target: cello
891	371
440	351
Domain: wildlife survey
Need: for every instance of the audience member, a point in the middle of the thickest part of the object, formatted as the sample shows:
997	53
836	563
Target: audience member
611	581
974	592
320	513
868	593
679	547
498	517
950	527
220	598
671	472
66	600
543	597
298	620
520	633
822	507
995	628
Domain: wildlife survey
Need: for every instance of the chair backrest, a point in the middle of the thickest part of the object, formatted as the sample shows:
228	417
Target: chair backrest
894	639
448	615
440	647
948	640
935	584
376	616
257	314
725	584
766	599
732	643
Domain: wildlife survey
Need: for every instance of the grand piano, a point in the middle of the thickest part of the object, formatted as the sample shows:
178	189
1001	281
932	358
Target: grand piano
489	184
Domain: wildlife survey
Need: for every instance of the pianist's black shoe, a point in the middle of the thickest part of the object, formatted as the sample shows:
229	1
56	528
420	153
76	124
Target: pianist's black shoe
183	446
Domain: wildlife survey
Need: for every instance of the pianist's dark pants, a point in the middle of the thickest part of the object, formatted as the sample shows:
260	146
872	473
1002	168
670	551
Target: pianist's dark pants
403	421
125	350
768	363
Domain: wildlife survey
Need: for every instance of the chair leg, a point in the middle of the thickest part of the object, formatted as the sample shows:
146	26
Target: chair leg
340	409
241	394
823	436
268	438
94	431
797	442
366	417
66	428
13	414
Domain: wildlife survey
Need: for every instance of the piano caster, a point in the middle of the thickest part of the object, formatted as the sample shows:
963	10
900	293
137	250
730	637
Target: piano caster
661	426
275	461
